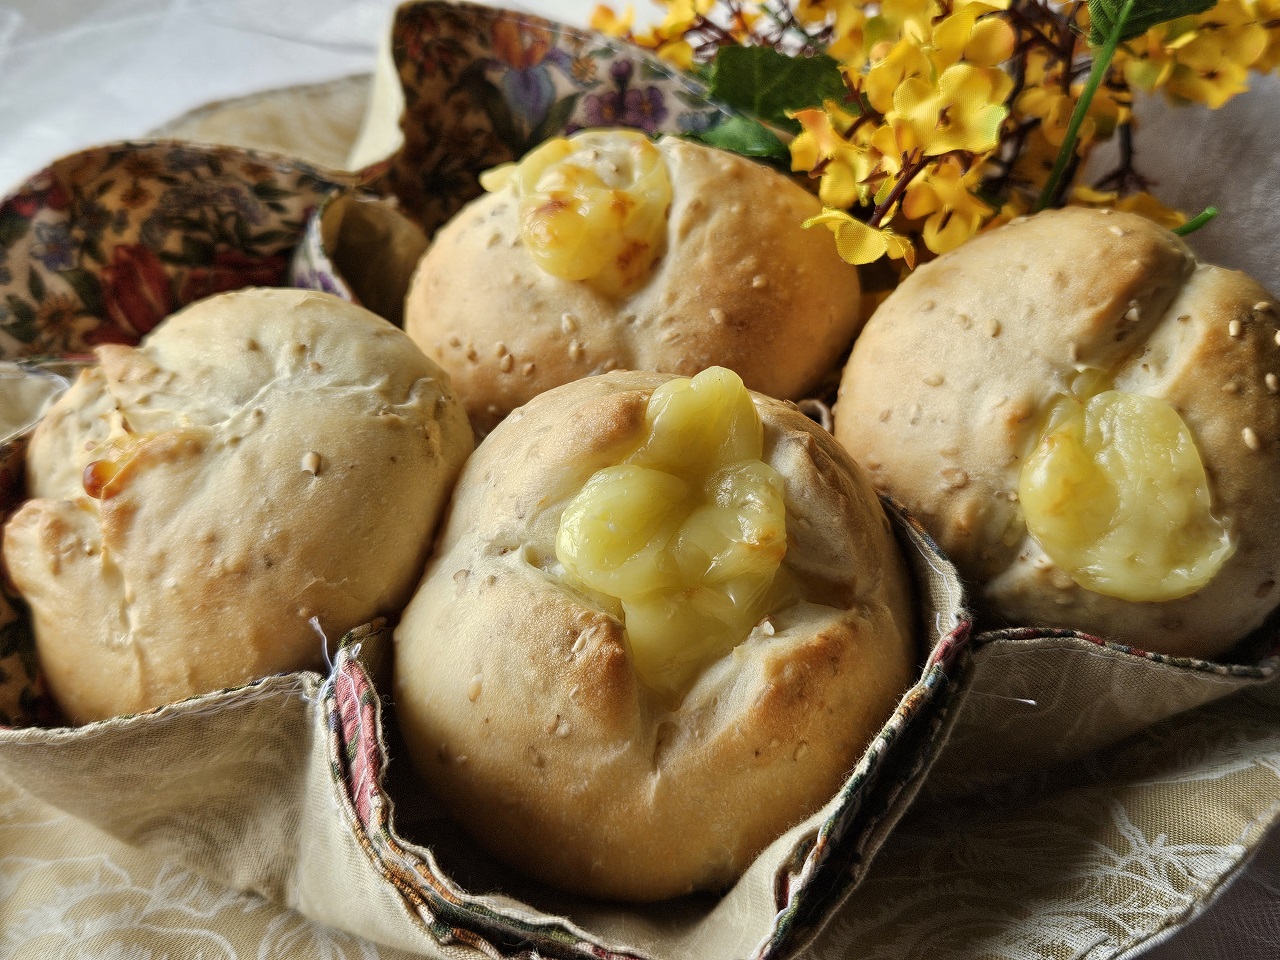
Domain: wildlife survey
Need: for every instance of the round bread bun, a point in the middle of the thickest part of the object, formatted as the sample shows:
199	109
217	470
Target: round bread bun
521	706
263	458
741	284
948	389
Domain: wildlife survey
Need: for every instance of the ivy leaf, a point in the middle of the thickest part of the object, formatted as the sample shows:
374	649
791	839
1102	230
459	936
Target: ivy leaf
1135	17
751	138
764	83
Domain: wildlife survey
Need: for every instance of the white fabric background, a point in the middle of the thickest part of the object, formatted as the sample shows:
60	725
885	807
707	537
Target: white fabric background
79	72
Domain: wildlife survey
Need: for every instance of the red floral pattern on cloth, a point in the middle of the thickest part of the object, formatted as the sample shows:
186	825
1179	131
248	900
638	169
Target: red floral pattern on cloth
104	244
137	292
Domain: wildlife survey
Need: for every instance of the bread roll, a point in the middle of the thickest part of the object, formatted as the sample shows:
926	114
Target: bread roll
727	275
265	457
520	692
965	393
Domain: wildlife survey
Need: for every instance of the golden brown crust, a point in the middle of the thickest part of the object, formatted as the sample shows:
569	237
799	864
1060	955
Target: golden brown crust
741	285
950	382
272	456
521	707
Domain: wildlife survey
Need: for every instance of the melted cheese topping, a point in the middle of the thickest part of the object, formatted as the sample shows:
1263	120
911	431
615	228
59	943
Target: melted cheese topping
688	533
593	208
1116	494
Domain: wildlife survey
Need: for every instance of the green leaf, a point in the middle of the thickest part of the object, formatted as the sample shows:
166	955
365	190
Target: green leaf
751	138
24	330
13	227
91	251
269	191
766	84
87	288
1135	17
197	251
272	238
35	283
556	120
489	98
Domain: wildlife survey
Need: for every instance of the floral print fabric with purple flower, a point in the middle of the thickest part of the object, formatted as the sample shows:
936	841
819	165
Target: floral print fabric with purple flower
641	108
106	243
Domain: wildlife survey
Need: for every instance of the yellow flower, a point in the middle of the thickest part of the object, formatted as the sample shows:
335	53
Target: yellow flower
895	151
607	22
1267	11
1213	66
1141	203
983	43
964	111
1032	165
847	167
1204	58
991	41
981	6
1018	205
945	193
859	243
1053	109
815	12
1109	109
678	53
682	14
848	38
901	62
908	19
1043	99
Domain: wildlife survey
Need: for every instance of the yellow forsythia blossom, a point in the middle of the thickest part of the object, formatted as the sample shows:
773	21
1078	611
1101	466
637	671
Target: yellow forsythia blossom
956	109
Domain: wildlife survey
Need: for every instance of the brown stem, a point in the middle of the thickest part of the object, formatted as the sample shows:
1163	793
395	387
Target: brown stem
910	171
1125	177
1015	144
1028	31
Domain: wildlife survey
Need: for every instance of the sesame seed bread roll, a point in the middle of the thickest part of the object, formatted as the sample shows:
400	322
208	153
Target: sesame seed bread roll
1087	420
538	710
262	458
718	272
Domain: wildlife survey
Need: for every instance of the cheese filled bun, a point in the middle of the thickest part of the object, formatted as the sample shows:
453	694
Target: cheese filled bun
1086	418
264	458
611	251
662	623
